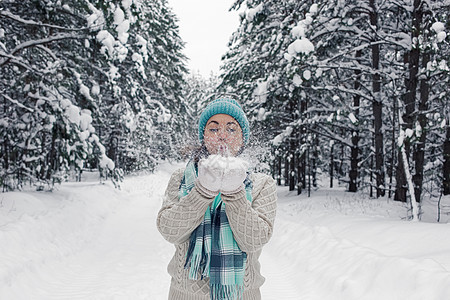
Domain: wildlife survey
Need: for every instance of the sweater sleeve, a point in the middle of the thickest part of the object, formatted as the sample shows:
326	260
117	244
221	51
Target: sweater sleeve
178	218
252	223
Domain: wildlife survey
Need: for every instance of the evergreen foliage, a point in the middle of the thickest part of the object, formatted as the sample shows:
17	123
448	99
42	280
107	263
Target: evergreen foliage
327	81
86	84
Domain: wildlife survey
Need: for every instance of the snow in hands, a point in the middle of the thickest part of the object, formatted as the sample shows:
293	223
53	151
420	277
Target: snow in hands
223	173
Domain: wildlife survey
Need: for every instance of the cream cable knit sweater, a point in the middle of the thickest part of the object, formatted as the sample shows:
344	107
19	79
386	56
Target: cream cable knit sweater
251	223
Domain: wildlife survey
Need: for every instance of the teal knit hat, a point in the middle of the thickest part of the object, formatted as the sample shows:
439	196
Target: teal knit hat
224	106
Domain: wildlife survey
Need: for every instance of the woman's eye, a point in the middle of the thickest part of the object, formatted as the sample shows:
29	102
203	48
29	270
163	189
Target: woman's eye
213	130
231	130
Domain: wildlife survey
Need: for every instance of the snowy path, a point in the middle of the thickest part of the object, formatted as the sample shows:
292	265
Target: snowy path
123	261
98	243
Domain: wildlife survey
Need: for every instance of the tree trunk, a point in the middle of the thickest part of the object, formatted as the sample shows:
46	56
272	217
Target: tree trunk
299	172
292	170
293	145
286	169
446	166
279	169
315	160
331	164
415	209
371	174
341	163
354	156
409	99
52	154
393	142
377	107
309	172
400	178
419	153
302	139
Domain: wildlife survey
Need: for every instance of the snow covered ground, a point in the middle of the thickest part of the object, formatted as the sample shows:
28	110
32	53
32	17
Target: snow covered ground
90	241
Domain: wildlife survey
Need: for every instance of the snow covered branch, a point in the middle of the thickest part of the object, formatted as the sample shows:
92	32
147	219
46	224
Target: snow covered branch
16	102
16	60
326	133
34	23
38	42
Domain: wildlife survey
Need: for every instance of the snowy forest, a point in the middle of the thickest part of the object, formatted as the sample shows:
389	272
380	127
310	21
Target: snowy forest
356	91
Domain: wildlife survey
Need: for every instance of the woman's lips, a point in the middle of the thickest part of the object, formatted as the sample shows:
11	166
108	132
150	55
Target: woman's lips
223	150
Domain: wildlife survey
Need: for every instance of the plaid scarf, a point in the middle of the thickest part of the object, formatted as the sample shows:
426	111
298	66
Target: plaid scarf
213	252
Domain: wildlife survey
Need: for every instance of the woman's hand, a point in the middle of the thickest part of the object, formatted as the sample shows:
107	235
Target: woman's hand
210	174
222	174
234	175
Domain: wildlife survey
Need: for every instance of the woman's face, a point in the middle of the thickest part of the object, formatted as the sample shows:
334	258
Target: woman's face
223	135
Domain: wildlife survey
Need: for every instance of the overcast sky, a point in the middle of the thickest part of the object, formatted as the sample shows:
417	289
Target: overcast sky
205	27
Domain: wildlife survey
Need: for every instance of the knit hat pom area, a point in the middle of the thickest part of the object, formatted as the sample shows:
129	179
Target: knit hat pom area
224	106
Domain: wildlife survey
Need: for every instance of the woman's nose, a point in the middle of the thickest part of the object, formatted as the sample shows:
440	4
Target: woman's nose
223	134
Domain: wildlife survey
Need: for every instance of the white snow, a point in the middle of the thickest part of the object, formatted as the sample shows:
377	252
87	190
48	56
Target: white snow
73	114
313	9
443	66
298	31
224	162
409	132
308	19
352	118
401	138
107	41
319	72
307	74
301	45
137	58
441	36
252	12
277	140
261	91
127	4
84	135
85	119
113	73
122	31
143	44
438	27
84	90
87	240
106	162
64	103
297	80
95	90
330	117
262	114
119	16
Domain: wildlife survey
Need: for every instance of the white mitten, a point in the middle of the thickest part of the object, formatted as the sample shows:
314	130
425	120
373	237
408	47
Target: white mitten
210	174
234	175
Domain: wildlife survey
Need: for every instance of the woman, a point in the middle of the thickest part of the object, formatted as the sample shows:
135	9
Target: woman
217	214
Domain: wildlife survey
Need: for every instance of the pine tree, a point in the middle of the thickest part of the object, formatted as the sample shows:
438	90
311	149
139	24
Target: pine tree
47	132
87	84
